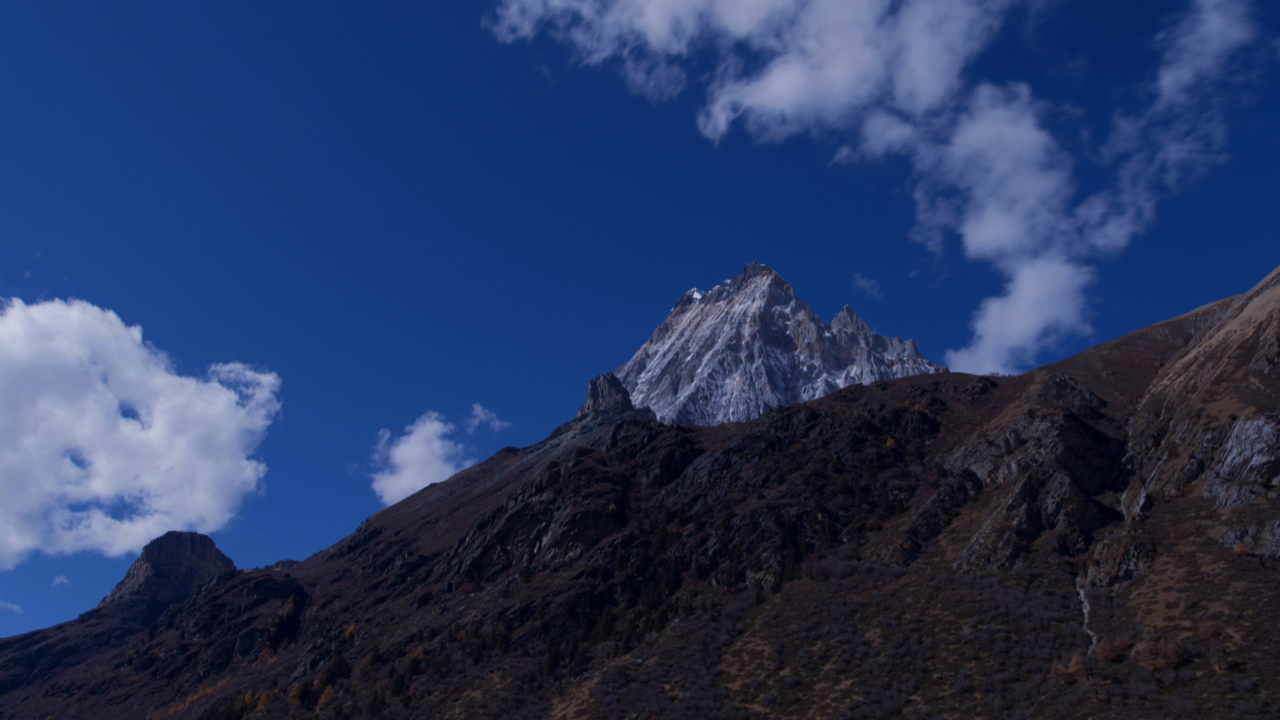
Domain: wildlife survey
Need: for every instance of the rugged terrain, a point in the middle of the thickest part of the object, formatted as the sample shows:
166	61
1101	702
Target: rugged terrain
1097	538
749	345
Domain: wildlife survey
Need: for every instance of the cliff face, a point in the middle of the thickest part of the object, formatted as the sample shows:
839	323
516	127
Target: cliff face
1096	538
749	345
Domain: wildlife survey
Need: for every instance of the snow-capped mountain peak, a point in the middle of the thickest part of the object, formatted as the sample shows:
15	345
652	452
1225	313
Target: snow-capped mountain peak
749	345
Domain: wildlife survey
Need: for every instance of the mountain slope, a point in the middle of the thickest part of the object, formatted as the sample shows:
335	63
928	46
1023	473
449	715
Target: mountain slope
748	346
1096	538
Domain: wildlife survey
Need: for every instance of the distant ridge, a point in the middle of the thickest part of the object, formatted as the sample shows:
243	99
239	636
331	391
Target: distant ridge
750	345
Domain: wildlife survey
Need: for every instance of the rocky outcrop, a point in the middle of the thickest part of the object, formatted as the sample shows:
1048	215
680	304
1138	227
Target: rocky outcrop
1250	462
170	568
749	345
606	394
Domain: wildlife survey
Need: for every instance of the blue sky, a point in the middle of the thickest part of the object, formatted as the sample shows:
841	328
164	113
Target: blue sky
372	218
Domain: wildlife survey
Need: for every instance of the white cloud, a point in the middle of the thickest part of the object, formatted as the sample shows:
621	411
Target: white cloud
480	415
1014	182
60	580
785	66
868	286
10	607
1040	240
1044	300
104	447
423	456
890	77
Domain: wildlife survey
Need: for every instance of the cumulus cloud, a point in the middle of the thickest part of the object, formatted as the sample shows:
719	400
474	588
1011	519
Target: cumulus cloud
59	580
103	446
10	607
890	77
482	416
422	456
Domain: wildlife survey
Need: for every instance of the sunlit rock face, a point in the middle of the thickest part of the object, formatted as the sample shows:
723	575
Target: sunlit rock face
750	345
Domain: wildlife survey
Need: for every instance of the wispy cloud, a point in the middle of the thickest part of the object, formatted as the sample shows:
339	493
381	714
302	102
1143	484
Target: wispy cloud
1198	48
482	416
1032	228
422	456
103	446
869	287
893	78
10	607
59	580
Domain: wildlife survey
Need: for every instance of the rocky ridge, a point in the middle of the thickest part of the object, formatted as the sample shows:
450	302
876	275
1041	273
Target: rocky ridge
750	345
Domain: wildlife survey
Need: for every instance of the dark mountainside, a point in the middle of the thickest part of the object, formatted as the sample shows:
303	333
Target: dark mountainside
1097	538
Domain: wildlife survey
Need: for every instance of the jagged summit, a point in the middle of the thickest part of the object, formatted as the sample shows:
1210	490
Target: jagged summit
749	345
170	568
605	394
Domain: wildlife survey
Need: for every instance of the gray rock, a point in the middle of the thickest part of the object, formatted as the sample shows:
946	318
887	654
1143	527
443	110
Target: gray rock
1256	539
605	394
1250	464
